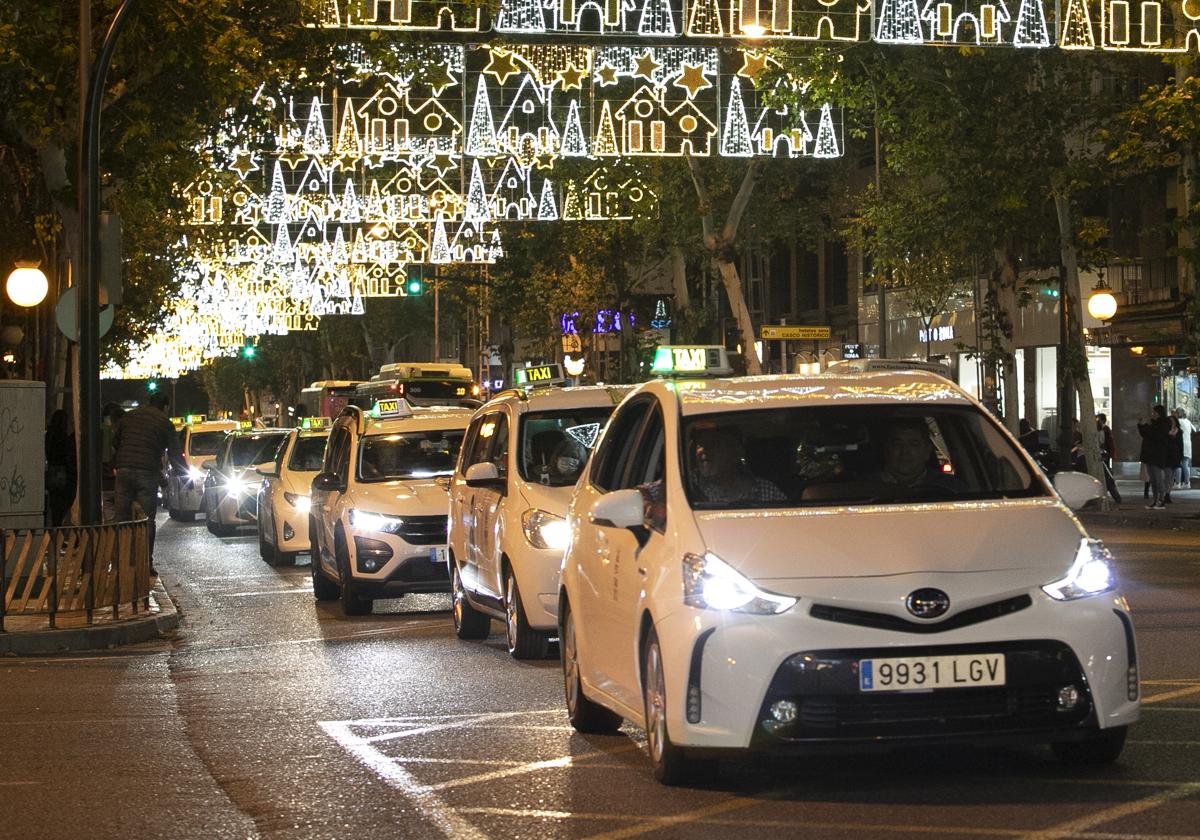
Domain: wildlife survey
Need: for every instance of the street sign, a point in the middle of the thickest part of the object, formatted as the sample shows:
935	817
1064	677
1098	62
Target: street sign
778	332
571	343
65	315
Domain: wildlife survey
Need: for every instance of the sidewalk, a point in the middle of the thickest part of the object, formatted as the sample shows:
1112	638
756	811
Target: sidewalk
32	635
1182	514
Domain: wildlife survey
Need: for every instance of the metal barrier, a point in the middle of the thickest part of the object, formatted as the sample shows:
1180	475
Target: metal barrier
76	569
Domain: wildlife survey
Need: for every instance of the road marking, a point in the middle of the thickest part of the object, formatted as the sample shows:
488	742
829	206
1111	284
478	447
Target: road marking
437	727
295	590
1170	682
18	784
1172	695
530	767
655	823
1071	828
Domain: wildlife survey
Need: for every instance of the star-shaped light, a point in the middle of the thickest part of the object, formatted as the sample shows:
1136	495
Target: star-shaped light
646	65
545	160
372	161
501	66
293	156
693	80
607	75
571	77
244	163
442	162
439	77
752	65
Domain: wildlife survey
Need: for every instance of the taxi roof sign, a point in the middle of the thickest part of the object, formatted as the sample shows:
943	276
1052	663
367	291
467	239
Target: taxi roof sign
315	423
390	408
195	418
691	360
245	424
529	377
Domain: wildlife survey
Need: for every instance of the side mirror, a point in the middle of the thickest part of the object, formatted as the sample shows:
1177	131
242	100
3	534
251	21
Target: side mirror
210	464
267	471
1077	489
326	482
484	474
618	509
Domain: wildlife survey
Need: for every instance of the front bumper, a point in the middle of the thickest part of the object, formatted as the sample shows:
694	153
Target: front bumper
537	571
189	495
738	665
388	565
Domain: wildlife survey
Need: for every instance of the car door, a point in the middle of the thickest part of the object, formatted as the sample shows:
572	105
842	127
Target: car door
598	548
481	444
462	497
271	488
324	502
488	513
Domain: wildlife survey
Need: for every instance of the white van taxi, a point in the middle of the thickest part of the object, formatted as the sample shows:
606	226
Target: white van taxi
378	507
283	503
230	488
199	439
508	507
800	563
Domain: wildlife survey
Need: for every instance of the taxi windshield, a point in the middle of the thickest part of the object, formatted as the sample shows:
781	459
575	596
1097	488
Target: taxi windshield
253	450
205	443
408	455
850	455
555	445
308	454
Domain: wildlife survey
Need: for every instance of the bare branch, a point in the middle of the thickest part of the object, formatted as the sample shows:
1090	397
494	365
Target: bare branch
706	217
740	201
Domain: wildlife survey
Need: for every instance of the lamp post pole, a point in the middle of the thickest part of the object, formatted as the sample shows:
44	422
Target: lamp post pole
91	80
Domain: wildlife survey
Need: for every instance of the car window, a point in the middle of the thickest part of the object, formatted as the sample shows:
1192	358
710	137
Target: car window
308	453
337	457
204	443
468	444
553	446
408	455
485	435
499	451
252	450
850	455
608	465
647	460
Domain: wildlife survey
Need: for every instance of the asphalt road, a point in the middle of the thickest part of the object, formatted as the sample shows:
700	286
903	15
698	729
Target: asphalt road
271	715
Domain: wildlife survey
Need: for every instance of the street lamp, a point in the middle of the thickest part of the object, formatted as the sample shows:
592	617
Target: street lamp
1102	305
27	285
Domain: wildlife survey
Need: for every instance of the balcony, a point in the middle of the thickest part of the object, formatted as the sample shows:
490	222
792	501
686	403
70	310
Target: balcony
1144	281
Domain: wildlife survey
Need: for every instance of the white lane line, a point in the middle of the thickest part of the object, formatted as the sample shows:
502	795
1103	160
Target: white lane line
1172	695
295	590
18	784
698	815
461	721
428	803
531	767
1072	828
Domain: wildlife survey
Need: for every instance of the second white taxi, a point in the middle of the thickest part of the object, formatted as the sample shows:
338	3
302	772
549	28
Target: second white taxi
199	439
283	503
846	561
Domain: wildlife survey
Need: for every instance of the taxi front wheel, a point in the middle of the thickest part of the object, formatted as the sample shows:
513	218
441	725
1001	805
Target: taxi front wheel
585	716
523	641
323	588
670	763
469	623
352	604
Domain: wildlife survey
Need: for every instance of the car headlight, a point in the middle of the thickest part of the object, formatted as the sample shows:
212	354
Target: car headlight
196	474
236	486
711	583
367	521
545	530
1090	574
303	504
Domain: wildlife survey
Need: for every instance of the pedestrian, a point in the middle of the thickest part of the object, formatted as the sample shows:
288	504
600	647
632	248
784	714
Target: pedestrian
1108	449
61	472
1154	454
110	416
140	440
1174	455
1186	430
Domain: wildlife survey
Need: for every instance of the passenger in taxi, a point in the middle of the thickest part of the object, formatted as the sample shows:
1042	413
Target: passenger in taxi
908	456
719	472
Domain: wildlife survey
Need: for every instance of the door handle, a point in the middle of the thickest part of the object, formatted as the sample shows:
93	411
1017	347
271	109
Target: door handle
641	571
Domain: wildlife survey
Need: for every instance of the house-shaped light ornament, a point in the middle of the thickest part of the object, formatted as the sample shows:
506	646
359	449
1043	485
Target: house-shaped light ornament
976	22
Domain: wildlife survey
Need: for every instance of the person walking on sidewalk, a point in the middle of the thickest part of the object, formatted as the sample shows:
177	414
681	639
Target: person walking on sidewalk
1186	430
60	467
1174	454
140	440
1154	454
1108	448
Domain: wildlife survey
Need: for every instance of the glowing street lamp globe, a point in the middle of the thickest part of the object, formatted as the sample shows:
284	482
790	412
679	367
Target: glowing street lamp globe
27	285
1102	305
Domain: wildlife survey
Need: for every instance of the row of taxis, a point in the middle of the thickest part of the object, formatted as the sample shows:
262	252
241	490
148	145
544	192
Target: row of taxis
853	560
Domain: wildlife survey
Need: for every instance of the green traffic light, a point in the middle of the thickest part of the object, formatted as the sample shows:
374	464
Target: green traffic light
415	287
248	351
151	385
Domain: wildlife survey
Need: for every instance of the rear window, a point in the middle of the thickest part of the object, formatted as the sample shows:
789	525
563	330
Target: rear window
205	443
850	455
308	455
555	445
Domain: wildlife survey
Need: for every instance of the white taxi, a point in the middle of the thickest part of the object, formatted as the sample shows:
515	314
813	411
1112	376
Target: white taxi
508	506
378	512
230	486
200	439
283	503
794	563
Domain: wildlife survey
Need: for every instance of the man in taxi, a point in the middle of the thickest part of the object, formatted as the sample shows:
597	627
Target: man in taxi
720	475
908	457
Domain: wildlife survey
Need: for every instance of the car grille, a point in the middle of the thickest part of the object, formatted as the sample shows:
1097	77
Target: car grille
424	530
960	708
883	621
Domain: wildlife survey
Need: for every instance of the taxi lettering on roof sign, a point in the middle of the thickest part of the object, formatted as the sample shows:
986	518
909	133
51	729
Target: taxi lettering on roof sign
705	360
245	424
314	423
538	375
196	418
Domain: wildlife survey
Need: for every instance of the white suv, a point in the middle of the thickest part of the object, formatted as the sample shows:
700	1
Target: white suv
508	504
200	441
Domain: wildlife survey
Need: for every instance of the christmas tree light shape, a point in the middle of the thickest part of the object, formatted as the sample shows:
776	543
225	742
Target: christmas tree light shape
574	144
1077	27
1031	28
350	209
572	204
495	251
477	203
481	134
315	139
705	19
656	18
281	252
340	253
826	145
523	16
373	211
605	144
348	141
316	301
547	208
356	306
275	206
735	137
899	23
439	252
341	286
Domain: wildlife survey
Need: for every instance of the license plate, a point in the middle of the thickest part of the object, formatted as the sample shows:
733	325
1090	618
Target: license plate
916	672
439	555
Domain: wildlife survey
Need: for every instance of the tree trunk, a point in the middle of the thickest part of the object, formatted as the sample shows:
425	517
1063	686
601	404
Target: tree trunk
1074	351
1004	293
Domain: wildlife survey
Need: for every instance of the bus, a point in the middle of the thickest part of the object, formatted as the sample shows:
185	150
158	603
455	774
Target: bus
328	397
420	383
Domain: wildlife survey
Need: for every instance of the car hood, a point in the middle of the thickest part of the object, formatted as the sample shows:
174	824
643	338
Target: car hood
554	500
298	482
422	497
781	545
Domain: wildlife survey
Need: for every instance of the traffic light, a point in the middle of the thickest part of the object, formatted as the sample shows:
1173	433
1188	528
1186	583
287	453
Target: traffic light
248	351
152	386
415	286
